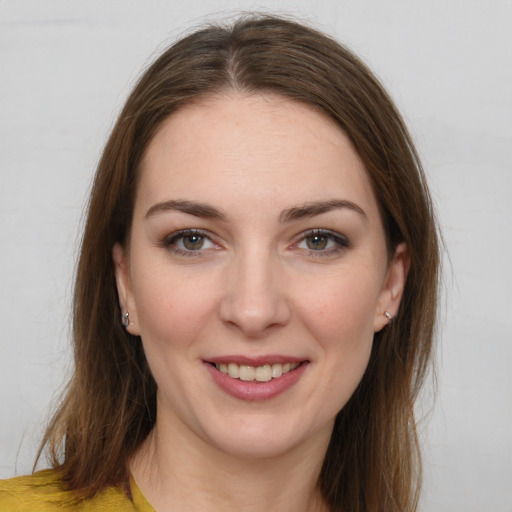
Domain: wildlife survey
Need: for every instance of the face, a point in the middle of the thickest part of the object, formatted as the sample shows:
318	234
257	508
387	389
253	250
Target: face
256	274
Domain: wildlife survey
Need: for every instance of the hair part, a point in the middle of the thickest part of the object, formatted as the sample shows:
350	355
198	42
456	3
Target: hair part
373	460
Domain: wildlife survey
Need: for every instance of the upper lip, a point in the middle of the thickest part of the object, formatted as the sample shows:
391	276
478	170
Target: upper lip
255	361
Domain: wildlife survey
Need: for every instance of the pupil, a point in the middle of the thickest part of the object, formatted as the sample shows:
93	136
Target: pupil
317	242
193	242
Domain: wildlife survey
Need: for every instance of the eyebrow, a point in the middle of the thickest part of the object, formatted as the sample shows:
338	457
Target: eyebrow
191	207
206	211
319	207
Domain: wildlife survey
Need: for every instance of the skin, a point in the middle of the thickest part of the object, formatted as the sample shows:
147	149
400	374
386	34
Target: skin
260	284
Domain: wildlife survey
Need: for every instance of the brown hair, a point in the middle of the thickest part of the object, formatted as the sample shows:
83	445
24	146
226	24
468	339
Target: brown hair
373	461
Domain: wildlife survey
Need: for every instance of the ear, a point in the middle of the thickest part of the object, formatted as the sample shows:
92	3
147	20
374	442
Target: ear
393	289
124	288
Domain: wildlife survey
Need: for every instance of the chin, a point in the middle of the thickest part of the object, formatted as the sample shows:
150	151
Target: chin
256	447
252	439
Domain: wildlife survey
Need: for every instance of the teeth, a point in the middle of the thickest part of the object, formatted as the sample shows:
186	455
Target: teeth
233	370
264	373
259	373
246	373
277	370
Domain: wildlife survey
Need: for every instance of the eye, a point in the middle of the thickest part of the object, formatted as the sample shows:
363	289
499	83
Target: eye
192	242
322	241
189	242
317	242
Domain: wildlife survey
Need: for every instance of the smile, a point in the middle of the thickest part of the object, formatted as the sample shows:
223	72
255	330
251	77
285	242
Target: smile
263	373
256	378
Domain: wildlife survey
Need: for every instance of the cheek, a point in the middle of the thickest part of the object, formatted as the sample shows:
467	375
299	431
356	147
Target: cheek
173	312
341	309
341	321
171	308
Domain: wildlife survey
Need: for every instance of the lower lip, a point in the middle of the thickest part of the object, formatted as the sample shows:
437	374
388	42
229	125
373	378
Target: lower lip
256	391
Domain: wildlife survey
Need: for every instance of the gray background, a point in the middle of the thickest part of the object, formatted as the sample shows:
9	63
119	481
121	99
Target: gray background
65	70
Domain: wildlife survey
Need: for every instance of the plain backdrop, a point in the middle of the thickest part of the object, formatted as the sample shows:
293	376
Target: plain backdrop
65	69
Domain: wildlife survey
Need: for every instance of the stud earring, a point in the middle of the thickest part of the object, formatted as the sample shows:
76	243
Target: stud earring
389	316
126	319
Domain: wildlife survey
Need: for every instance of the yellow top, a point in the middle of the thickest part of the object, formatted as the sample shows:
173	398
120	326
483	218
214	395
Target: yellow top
42	492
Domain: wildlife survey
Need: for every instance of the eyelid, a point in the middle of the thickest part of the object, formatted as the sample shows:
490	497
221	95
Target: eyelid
169	241
342	242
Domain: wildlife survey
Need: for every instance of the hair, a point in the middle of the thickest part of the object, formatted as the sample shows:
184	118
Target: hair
373	461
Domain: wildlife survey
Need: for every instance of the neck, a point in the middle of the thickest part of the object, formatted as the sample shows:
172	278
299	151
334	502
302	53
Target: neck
180	471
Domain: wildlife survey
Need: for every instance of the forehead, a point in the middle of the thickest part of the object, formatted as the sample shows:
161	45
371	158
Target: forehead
264	149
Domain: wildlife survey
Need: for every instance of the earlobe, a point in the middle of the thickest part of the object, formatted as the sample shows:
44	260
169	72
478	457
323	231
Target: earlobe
394	284
128	311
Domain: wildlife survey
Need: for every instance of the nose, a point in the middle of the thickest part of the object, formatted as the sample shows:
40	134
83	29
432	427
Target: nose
254	299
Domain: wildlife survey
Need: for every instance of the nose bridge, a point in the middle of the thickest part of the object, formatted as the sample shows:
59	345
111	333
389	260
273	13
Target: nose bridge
254	298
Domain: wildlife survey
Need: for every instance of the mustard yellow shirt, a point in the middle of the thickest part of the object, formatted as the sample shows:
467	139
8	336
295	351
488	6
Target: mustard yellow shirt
42	492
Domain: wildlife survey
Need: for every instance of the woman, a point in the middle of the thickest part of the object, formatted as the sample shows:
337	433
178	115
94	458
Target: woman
255	296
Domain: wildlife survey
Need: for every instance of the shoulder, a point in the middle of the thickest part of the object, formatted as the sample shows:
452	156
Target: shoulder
35	491
43	492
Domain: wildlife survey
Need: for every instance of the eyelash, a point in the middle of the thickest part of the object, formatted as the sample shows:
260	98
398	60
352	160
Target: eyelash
171	242
340	241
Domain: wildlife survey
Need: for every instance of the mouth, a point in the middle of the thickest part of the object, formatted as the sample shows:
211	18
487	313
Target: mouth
256	378
262	373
